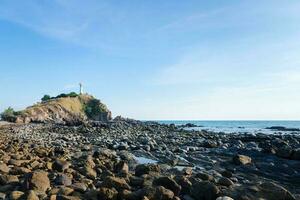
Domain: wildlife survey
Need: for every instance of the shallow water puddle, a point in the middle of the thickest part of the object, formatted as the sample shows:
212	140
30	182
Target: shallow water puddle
143	160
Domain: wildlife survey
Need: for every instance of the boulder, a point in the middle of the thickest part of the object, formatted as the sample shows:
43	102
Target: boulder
272	191
146	169
204	191
284	152
168	183
163	194
115	182
296	154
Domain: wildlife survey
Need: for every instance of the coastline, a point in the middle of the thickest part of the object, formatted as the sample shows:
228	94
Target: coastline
209	157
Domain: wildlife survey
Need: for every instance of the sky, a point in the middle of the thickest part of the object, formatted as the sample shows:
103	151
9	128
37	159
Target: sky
156	60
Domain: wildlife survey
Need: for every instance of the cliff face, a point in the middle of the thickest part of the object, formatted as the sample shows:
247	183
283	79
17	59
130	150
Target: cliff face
66	110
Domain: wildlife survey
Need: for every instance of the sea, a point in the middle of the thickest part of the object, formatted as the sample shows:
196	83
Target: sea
237	126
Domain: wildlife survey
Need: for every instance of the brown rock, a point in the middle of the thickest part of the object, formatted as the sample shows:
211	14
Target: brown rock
37	181
146	169
89	172
168	183
4	168
32	196
107	193
163	194
80	187
118	183
122	167
15	195
7	179
60	165
204	191
272	191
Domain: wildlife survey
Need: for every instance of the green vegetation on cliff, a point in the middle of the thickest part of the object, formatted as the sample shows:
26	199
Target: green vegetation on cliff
47	97
9	114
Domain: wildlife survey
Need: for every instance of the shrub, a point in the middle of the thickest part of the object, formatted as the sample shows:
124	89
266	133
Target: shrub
71	94
61	95
46	97
94	108
9	115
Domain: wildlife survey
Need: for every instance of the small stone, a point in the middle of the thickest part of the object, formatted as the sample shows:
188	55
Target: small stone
15	195
187	171
284	152
241	160
19	171
80	187
7	179
296	154
89	172
185	184
107	193
2	196
225	181
226	174
122	167
136	181
205	177
17	163
60	165
63	179
224	198
65	191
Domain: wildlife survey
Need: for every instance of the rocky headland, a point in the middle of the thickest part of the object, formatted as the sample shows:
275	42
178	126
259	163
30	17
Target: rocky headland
68	109
134	160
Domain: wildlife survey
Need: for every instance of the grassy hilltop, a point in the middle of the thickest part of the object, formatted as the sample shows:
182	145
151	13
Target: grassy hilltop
63	109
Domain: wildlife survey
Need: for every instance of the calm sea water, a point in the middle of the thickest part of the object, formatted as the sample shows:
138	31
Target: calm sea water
237	126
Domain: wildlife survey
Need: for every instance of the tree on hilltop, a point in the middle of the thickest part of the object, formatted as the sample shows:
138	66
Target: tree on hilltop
46	97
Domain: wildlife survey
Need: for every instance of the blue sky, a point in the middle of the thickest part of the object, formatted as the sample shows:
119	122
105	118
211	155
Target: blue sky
156	59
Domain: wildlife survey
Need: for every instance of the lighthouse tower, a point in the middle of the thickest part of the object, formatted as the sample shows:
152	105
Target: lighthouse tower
80	88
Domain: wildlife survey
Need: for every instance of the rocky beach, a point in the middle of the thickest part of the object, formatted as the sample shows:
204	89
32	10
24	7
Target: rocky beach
129	159
149	100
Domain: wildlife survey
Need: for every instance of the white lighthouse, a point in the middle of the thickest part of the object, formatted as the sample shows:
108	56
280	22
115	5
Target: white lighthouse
80	88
